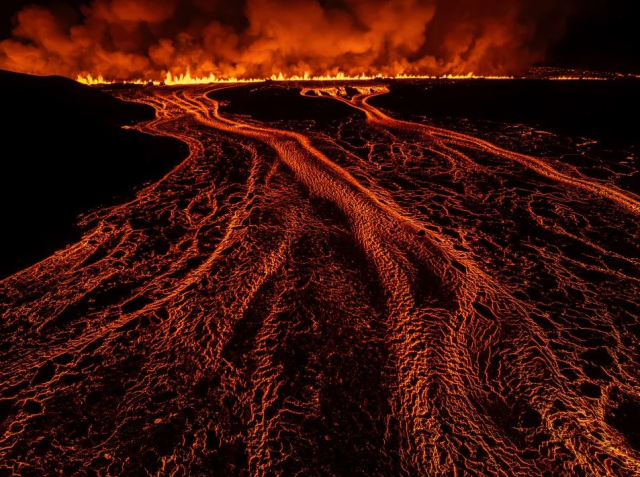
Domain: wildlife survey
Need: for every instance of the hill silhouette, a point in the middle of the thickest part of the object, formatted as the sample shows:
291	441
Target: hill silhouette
65	152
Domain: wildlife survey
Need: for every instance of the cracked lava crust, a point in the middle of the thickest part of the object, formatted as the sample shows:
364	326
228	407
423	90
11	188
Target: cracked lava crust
370	294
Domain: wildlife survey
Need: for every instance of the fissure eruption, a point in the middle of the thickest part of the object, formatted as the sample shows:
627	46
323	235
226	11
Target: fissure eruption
318	237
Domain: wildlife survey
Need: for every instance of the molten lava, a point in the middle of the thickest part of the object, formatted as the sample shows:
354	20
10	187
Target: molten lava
187	79
363	295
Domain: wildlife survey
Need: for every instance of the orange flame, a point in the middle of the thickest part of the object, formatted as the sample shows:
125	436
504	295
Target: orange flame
575	78
187	78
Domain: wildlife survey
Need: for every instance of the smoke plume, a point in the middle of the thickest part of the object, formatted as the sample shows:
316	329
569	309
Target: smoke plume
126	39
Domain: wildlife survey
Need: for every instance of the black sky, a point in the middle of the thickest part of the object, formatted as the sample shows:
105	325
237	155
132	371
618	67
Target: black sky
600	34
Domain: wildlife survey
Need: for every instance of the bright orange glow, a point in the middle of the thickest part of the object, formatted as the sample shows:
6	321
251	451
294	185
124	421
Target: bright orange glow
91	81
188	79
576	78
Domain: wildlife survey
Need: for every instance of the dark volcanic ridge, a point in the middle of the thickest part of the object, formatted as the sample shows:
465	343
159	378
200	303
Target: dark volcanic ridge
70	154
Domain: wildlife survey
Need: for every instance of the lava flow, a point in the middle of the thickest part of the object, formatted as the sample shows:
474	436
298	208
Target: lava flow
365	295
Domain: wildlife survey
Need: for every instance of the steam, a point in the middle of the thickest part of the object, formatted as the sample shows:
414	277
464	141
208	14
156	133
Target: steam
127	39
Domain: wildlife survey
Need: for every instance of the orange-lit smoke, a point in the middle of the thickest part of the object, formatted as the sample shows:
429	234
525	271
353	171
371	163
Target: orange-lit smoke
129	39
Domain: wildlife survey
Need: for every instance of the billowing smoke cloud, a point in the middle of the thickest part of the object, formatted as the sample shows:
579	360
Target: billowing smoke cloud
124	39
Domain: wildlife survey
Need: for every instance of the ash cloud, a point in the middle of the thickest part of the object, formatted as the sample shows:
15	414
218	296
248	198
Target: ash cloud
125	39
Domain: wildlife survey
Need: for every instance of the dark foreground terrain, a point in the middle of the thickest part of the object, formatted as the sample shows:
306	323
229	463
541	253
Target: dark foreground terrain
64	152
343	280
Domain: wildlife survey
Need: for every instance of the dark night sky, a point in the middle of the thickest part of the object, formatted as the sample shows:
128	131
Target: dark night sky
600	34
